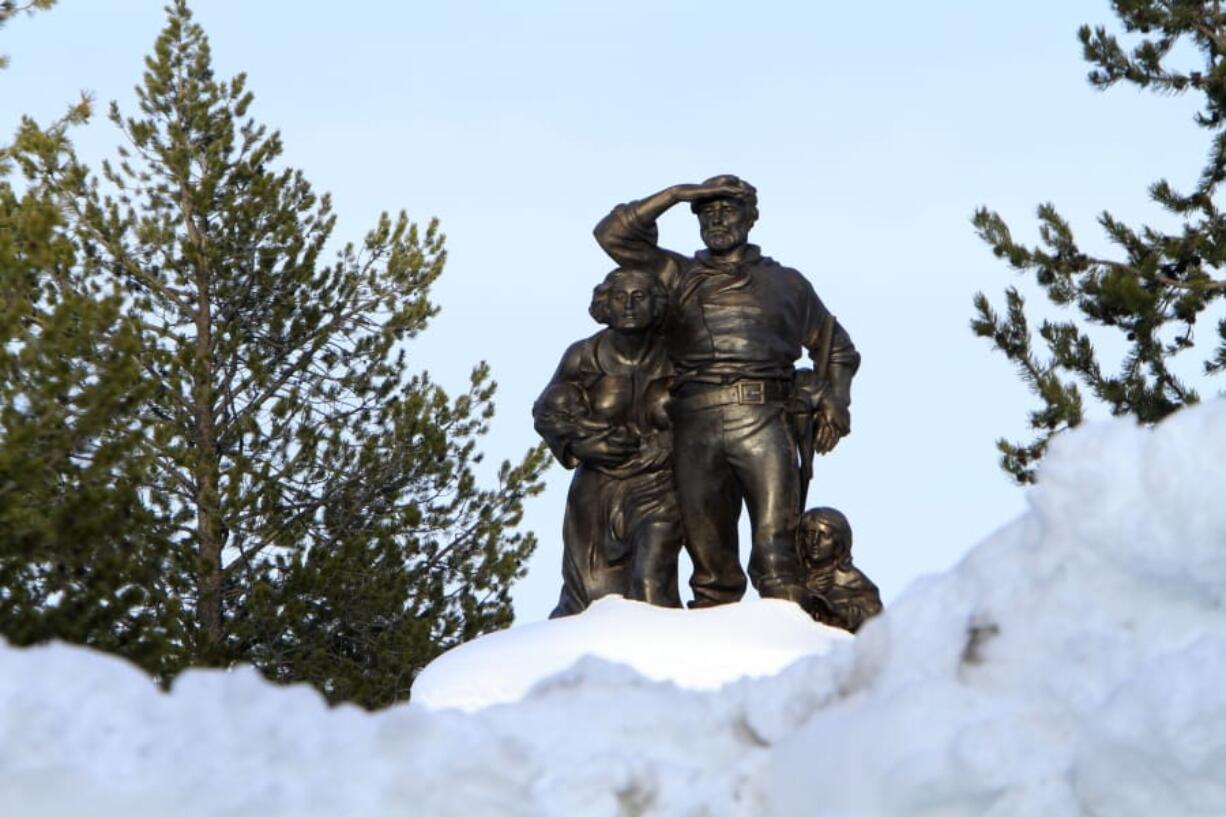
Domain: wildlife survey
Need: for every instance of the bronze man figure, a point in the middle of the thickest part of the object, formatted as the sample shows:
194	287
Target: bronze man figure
736	325
603	415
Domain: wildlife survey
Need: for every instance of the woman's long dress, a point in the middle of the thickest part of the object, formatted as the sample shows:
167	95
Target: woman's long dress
622	531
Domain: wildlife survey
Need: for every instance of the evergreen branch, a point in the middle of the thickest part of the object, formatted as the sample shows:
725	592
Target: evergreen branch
1203	286
1162	278
124	262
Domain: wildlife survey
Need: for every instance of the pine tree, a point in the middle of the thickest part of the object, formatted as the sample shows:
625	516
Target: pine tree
76	558
323	518
1159	285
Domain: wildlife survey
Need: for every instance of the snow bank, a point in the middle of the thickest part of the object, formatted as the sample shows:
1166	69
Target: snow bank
1094	684
1071	664
695	649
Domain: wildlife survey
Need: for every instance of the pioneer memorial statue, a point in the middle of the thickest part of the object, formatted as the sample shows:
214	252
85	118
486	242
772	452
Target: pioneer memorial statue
710	409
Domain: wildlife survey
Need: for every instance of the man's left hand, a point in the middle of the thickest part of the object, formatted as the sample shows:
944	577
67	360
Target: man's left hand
833	423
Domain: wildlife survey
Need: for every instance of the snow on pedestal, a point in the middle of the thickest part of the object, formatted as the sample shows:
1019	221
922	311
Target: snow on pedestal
695	649
1071	664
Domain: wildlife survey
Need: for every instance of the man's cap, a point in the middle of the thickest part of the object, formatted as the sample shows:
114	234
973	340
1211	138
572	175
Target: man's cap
749	197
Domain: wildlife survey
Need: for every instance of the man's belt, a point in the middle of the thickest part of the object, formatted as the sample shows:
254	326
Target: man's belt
742	392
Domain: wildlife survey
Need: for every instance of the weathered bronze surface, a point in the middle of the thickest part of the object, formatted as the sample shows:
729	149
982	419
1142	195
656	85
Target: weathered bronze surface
824	540
689	406
737	321
603	415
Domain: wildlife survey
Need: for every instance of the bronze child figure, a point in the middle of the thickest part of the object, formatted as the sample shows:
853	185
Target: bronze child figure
824	541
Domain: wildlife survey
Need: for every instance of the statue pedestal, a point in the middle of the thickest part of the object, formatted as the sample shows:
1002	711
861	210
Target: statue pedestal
694	649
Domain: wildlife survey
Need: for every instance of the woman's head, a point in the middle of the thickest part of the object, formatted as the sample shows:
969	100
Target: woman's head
628	300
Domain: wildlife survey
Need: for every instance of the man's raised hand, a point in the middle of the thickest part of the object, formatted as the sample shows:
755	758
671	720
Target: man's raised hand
717	190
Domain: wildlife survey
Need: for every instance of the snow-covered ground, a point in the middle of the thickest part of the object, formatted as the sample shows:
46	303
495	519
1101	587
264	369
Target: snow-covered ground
1073	663
694	649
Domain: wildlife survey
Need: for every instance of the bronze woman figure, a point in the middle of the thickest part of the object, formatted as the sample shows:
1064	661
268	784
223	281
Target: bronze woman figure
603	414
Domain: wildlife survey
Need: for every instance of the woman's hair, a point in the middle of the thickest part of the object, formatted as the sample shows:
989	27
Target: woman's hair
599	308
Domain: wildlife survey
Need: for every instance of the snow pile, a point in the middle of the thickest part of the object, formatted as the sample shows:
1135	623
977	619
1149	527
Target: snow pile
695	649
1072	664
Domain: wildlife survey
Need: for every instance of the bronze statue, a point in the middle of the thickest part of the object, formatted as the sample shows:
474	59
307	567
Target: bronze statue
737	322
824	541
603	414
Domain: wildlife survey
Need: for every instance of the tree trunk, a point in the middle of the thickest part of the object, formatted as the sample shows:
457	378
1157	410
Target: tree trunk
207	467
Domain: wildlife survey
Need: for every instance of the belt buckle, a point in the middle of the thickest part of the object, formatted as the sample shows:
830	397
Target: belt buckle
751	392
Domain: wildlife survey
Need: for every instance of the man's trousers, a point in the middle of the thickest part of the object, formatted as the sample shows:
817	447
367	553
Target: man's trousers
723	456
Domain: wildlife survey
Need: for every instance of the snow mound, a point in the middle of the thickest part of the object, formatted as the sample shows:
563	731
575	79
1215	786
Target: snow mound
695	649
1071	664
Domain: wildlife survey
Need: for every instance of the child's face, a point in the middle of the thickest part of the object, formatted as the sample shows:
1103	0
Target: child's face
818	538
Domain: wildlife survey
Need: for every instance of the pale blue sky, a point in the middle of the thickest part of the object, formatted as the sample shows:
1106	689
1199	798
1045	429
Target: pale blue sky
871	130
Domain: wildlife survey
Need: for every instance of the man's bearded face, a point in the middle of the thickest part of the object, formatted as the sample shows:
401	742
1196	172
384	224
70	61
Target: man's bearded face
724	224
